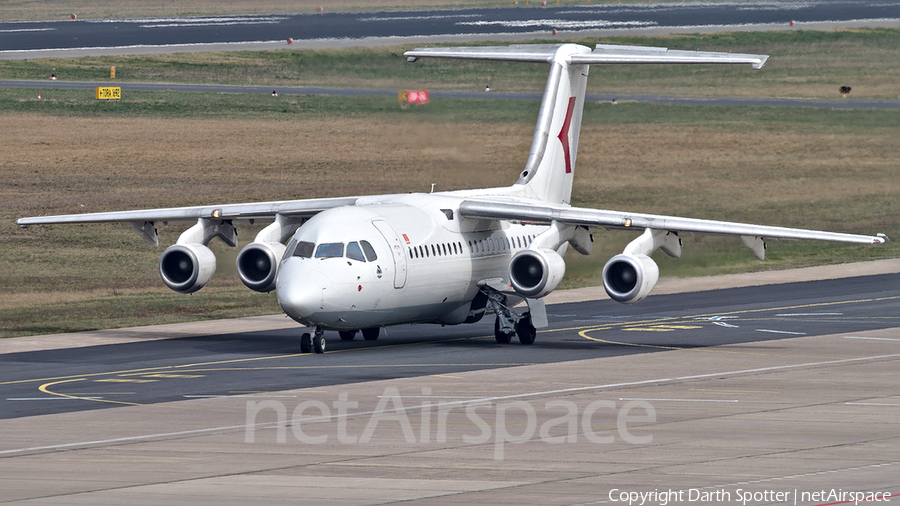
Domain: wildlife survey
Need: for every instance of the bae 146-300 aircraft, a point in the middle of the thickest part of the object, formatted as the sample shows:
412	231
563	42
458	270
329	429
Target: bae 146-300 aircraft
361	263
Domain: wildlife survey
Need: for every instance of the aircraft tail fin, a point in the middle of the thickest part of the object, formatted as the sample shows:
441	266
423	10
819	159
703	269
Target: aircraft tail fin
550	168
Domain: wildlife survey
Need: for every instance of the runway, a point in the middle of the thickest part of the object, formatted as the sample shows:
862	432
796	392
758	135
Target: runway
788	389
40	39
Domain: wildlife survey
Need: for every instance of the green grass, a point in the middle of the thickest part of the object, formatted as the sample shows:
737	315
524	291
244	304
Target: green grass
811	64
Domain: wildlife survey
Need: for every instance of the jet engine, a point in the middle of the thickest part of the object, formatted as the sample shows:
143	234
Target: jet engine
535	272
258	263
630	278
187	268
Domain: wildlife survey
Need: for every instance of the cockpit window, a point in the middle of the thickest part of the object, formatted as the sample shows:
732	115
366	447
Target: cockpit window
289	250
370	251
329	250
305	249
354	253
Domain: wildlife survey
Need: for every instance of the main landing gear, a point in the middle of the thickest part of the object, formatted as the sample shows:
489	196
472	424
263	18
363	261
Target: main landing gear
316	341
508	322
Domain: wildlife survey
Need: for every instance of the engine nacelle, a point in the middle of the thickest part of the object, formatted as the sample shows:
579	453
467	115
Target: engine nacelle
535	273
630	278
187	268
258	263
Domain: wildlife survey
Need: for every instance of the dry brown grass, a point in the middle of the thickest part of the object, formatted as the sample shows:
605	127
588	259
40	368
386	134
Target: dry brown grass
765	172
77	164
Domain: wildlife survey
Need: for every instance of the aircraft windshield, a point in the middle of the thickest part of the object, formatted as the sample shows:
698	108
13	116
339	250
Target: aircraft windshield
304	249
360	251
370	251
354	252
330	250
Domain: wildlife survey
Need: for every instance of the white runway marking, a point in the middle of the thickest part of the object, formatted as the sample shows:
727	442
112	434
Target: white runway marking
254	396
810	314
28	30
676	400
781	332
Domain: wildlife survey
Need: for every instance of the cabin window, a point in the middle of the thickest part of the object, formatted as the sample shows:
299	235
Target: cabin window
455	252
354	252
445	249
329	250
304	249
368	250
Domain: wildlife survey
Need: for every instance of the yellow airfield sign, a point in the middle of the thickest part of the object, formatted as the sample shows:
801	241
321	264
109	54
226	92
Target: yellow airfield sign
108	93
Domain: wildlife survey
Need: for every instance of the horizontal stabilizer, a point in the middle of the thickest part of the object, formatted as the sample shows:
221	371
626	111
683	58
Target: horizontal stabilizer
603	54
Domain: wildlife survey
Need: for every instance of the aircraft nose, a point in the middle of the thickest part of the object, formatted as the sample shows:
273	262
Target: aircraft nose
300	288
300	299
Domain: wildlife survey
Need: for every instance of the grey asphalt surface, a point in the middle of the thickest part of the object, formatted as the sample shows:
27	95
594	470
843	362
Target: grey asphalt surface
222	364
513	20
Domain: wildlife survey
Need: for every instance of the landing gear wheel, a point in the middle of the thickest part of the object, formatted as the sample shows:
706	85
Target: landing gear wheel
347	335
371	334
501	337
319	342
306	343
525	330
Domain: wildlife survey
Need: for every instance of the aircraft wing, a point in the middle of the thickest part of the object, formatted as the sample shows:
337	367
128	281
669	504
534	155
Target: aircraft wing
546	213
228	212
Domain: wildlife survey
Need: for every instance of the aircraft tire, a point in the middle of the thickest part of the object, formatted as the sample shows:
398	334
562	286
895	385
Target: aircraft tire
347	335
371	334
502	338
319	342
525	330
306	343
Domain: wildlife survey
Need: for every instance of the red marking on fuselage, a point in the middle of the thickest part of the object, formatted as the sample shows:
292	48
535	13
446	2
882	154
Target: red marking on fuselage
405	238
564	134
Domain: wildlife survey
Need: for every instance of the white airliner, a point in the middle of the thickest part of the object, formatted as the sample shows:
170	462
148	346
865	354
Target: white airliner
362	263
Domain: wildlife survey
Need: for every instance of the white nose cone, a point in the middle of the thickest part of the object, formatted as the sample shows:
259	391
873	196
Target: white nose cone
300	290
300	299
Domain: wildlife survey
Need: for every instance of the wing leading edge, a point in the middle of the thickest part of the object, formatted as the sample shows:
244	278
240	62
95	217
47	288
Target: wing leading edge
548	213
254	210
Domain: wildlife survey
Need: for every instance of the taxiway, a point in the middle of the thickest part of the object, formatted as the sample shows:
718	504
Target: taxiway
774	388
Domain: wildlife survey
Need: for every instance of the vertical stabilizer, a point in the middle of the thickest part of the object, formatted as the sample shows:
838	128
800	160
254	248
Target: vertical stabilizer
550	169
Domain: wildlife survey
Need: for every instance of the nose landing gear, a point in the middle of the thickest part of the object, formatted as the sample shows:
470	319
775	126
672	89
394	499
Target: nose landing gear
314	342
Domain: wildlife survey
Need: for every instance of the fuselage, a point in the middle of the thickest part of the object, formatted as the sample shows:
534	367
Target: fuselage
394	259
